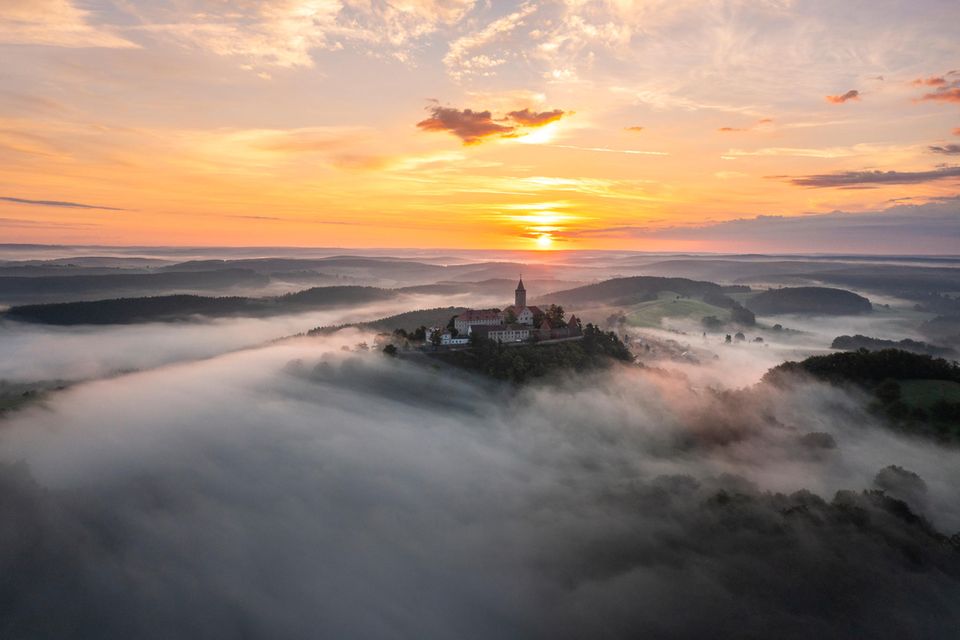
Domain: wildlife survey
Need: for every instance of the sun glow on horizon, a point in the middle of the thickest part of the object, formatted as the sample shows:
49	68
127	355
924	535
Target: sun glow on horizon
544	241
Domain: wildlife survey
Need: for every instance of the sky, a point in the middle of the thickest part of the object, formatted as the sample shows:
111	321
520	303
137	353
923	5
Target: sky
568	124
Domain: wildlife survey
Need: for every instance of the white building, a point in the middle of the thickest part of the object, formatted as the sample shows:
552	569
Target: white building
506	333
476	317
446	338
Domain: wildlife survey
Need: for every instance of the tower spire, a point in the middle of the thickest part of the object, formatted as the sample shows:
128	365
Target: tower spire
520	295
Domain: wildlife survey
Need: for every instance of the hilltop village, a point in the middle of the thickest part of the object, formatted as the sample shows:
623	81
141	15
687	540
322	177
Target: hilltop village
516	324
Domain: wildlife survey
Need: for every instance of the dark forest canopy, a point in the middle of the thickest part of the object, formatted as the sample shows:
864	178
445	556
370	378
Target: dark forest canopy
868	367
809	300
28	289
408	321
915	392
182	307
857	342
519	363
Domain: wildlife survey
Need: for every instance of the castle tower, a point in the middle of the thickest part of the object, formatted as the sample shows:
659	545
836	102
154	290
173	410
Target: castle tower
520	296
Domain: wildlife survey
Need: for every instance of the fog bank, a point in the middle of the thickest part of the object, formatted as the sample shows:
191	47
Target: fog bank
301	491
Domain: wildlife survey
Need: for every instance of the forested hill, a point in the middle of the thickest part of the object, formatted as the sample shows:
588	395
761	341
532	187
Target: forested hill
914	392
408	321
182	307
521	363
623	291
868	367
809	300
636	289
45	287
857	342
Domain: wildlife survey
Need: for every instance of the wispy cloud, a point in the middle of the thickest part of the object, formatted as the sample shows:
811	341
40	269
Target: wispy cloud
57	23
853	94
946	149
946	87
286	33
806	152
629	152
463	58
762	123
944	94
930	227
58	203
847	179
20	223
932	81
634	129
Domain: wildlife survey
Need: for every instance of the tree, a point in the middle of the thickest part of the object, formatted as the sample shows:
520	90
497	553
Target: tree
712	323
436	338
390	350
555	315
511	317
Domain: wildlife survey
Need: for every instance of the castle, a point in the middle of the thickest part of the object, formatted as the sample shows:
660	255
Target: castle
516	323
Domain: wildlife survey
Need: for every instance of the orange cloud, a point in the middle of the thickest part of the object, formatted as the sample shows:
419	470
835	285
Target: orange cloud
956	131
760	123
468	125
944	94
634	129
932	81
473	127
853	94
529	118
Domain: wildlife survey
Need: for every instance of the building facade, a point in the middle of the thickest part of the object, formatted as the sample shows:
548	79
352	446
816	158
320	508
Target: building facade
516	323
476	317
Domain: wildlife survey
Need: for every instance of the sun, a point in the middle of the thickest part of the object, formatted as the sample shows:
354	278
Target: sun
544	241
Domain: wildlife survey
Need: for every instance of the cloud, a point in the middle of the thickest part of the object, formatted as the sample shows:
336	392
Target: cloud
468	125
853	94
528	118
762	123
861	149
946	87
286	33
629	152
932	81
20	223
956	131
462	59
57	23
634	129
854	178
932	227
475	126
945	94
947	149
58	203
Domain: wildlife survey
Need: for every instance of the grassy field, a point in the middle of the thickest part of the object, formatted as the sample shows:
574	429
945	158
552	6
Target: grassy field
925	393
652	313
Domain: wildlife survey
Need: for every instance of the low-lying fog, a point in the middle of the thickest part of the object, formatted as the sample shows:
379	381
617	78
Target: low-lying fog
296	490
41	352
